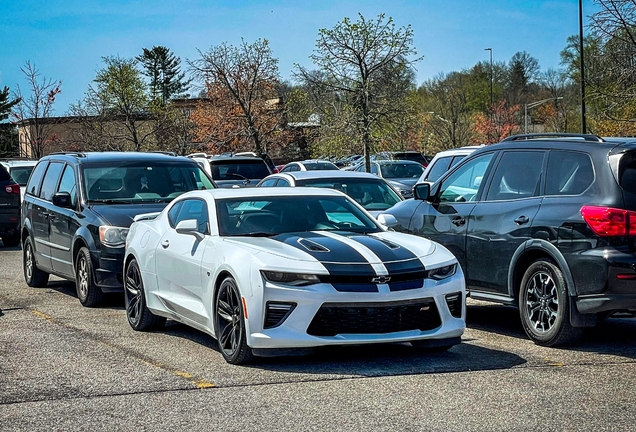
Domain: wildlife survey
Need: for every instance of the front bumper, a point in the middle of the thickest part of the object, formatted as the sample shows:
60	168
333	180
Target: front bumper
109	266
294	331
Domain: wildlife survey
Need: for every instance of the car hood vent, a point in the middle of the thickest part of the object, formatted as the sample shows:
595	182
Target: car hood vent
389	244
312	245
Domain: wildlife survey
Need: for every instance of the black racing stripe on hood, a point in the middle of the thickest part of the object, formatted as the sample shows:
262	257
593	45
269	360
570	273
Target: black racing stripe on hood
409	266
339	258
386	251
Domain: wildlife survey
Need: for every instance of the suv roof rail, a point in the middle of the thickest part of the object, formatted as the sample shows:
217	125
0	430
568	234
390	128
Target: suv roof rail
69	153
167	153
548	135
201	154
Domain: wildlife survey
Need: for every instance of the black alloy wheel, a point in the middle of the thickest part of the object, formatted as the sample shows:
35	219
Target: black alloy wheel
139	316
544	306
33	276
88	293
229	324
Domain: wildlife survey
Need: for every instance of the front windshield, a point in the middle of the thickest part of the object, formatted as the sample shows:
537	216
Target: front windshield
142	182
371	194
400	170
267	216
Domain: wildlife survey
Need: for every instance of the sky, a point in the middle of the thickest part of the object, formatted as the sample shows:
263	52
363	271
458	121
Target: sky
66	39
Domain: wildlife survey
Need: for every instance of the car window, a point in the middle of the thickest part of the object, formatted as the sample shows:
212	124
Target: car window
463	184
51	178
68	184
456	160
33	186
283	183
269	182
569	173
4	174
440	166
372	194
194	209
173	213
239	169
20	174
517	176
402	170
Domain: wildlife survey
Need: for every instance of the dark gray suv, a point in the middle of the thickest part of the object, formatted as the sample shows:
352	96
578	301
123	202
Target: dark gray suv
78	208
545	223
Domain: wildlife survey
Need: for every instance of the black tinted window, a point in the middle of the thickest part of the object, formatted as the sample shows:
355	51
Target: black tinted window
68	184
33	187
516	176
440	167
51	178
569	173
239	170
4	174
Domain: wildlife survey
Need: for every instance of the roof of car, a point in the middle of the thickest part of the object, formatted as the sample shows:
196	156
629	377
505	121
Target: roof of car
326	174
396	161
223	158
18	162
221	193
459	151
99	157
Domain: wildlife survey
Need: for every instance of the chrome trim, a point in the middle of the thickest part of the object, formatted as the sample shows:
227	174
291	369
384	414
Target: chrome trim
53	245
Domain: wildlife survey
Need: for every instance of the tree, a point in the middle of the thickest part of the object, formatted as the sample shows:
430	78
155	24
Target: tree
5	104
523	70
37	110
164	70
8	134
352	58
114	113
243	81
498	125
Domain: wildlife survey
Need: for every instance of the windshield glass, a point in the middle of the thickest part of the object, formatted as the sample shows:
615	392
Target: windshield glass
371	194
239	170
142	182
399	170
20	174
276	215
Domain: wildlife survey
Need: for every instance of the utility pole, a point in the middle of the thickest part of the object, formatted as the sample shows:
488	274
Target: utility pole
583	125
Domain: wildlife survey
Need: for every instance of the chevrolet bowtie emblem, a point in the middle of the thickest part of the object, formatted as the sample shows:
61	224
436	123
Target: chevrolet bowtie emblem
381	279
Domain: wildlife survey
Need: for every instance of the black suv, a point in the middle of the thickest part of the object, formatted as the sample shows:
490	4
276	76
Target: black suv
78	208
9	209
546	223
238	171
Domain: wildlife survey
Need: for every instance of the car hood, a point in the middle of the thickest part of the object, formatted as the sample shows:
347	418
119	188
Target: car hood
121	215
402	183
343	252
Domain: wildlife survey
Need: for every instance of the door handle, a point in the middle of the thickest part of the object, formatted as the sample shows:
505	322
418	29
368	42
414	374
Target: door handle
458	221
522	220
165	244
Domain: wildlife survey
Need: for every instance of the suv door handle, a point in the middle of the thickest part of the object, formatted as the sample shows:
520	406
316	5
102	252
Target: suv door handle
522	220
458	221
165	244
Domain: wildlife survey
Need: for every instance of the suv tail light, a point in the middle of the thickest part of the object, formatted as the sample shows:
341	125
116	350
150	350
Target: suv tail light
606	221
12	189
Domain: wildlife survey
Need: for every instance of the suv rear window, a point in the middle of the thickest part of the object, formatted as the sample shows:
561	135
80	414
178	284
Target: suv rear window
239	169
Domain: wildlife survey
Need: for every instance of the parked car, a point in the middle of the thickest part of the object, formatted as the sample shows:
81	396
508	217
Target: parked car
78	208
9	209
19	170
309	165
443	161
412	156
402	175
368	190
543	222
237	171
242	266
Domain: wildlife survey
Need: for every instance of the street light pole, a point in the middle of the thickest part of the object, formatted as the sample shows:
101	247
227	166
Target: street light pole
490	49
533	105
583	125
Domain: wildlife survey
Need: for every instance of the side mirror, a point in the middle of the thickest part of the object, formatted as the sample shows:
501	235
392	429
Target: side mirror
191	227
388	220
422	191
62	199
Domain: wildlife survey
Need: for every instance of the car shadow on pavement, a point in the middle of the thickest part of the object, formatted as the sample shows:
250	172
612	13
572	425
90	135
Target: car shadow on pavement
111	300
612	336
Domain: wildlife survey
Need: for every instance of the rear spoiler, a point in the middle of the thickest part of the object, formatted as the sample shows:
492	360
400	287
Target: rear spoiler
146	216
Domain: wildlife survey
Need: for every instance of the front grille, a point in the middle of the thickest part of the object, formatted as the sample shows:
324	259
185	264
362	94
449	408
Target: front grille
366	318
455	302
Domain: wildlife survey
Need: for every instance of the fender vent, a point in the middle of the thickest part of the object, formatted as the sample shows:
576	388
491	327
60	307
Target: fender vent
312	246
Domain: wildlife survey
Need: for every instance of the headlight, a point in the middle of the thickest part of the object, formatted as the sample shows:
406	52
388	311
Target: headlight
442	272
112	236
294	279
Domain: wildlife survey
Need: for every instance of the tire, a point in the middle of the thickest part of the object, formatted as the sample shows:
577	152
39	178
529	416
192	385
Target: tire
11	241
33	276
139	316
544	306
88	293
229	324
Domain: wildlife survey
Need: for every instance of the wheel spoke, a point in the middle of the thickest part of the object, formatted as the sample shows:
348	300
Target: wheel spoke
224	311
226	334
133	307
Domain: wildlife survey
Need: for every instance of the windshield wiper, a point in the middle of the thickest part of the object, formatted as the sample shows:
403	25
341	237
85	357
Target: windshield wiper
258	234
109	201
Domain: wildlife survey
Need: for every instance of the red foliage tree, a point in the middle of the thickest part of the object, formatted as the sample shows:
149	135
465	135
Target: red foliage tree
501	123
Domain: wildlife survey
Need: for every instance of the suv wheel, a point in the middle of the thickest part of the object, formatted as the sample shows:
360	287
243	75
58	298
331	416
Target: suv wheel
89	294
33	276
11	241
544	305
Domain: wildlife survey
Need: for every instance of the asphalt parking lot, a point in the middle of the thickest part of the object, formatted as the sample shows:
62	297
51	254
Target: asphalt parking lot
65	367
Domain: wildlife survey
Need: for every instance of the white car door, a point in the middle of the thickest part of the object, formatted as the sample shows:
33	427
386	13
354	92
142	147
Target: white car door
179	256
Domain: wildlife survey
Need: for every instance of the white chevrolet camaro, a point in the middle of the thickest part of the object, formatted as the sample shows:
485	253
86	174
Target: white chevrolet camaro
265	269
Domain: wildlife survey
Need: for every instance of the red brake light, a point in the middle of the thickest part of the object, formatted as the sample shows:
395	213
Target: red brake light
606	221
12	189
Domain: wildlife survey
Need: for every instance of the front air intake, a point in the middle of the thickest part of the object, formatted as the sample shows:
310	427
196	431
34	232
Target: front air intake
455	303
276	313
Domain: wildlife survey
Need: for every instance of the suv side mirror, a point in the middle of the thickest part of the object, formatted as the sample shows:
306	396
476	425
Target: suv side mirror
63	199
191	227
422	191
